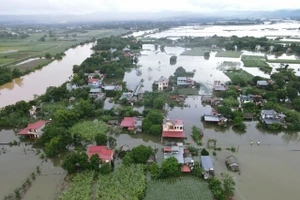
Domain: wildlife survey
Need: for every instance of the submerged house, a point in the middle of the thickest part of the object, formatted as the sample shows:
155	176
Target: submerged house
207	166
271	116
97	94
96	73
34	130
218	86
162	83
173	129
94	83
106	155
185	82
132	123
214	117
126	95
231	163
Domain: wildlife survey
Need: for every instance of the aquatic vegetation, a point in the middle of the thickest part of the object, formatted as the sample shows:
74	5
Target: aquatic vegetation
181	188
229	54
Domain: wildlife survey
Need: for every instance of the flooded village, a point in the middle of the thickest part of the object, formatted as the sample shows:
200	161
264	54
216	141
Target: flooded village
174	106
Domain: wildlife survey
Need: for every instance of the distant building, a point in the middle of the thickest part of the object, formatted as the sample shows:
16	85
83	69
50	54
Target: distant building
94	83
176	151
162	83
173	129
207	166
271	116
262	83
184	81
34	130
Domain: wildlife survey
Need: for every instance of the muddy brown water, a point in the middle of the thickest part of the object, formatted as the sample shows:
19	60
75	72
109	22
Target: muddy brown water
54	74
269	171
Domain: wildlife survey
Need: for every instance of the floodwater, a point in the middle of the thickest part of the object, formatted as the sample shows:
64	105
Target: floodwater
54	74
268	171
279	29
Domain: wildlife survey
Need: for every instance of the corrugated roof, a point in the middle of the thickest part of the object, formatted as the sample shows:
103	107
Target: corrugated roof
173	134
102	151
127	122
36	125
185	168
211	118
206	163
95	90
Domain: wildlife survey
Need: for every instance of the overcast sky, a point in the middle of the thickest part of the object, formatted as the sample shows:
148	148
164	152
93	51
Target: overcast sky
88	6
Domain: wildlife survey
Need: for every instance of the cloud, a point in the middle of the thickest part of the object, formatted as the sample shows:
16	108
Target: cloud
86	6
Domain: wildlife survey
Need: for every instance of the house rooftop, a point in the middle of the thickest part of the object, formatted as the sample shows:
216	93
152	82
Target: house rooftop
268	112
36	125
262	83
206	163
175	122
211	118
128	122
185	168
178	156
173	134
162	79
102	151
91	80
219	88
95	90
109	87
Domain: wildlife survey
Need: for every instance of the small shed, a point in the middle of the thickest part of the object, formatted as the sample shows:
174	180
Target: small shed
231	163
206	163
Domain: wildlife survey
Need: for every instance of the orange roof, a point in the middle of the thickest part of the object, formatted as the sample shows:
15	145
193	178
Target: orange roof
185	168
102	151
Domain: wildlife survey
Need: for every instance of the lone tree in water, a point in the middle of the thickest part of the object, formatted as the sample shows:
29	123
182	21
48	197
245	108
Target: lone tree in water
173	60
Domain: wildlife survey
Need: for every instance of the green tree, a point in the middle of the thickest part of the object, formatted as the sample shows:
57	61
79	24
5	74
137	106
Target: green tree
128	160
281	93
155	130
239	124
101	139
228	184
155	117
65	118
159	103
94	162
170	168
296	104
83	160
48	56
105	168
141	153
70	161
55	146
225	110
204	152
146	125
155	171
292	93
85	108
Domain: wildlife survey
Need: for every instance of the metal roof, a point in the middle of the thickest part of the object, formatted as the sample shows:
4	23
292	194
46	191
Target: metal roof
95	90
211	118
262	83
206	163
268	112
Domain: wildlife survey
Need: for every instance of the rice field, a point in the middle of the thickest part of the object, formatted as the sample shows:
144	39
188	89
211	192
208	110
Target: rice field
229	54
257	61
285	61
239	73
188	91
189	188
80	187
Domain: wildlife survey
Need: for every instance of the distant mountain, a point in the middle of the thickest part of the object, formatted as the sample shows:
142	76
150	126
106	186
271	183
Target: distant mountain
162	15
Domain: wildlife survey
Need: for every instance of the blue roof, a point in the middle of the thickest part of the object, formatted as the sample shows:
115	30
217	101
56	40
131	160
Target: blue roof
206	163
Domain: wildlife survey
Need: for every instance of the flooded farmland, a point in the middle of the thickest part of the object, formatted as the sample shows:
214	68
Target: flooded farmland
268	171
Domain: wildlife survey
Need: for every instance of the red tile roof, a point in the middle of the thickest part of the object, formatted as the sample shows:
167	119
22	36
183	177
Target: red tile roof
35	125
127	122
93	80
178	122
185	168
167	149
102	151
173	134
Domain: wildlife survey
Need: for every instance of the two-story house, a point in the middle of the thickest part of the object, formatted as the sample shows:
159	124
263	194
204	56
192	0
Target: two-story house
94	83
34	130
162	83
173	129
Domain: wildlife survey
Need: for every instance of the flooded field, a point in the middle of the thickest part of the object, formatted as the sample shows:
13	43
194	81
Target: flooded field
268	172
270	30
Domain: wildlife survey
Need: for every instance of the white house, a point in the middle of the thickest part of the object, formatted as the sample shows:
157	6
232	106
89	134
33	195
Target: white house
162	83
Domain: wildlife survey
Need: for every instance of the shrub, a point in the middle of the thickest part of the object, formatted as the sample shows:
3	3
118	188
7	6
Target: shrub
233	149
214	153
204	152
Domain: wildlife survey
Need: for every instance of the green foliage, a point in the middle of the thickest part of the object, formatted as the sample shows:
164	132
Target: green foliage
85	108
233	149
239	124
152	118
228	184
177	189
155	171
275	126
173	60
292	93
204	152
124	183
80	187
193	150
105	168
155	130
94	162
116	42
65	118
214	153
230	102
141	154
170	168
225	110
56	145
88	130
256	61
70	161
239	75
159	103
229	54
216	188
101	139
197	135
128	159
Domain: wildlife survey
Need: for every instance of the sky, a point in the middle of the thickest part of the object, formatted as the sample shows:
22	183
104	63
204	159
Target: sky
19	7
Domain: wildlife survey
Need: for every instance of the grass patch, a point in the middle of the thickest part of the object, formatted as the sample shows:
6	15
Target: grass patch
188	91
240	73
229	54
89	129
284	61
195	52
34	64
176	189
257	61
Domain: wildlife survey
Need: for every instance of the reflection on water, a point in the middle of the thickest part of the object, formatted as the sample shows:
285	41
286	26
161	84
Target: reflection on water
36	82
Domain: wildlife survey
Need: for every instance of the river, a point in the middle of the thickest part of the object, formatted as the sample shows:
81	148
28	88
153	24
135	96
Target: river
54	74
